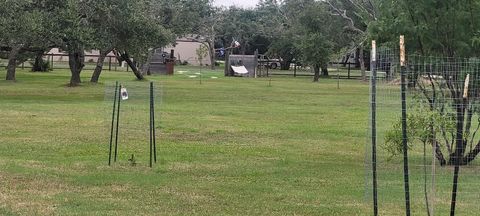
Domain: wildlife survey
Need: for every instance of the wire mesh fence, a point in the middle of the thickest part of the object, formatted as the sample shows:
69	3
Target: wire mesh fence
343	70
441	111
132	113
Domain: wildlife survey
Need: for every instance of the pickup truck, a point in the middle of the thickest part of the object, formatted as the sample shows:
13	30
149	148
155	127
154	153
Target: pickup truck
271	63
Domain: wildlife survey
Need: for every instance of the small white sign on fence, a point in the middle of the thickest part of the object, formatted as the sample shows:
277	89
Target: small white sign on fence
124	93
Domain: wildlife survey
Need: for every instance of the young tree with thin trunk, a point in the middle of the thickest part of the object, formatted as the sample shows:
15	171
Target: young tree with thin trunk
459	24
448	29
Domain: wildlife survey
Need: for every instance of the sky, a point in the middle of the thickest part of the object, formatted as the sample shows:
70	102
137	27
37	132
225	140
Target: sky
241	3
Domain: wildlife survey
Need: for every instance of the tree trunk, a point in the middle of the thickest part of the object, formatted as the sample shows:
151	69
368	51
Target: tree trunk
211	54
457	156
324	70
211	46
12	63
472	154
39	64
316	69
76	61
459	149
212	59
362	64
132	65
99	67
346	60
227	63
438	153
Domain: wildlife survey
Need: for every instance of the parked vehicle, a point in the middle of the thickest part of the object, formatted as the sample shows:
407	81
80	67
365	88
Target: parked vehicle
270	63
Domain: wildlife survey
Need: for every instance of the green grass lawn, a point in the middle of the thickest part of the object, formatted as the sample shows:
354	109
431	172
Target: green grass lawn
228	146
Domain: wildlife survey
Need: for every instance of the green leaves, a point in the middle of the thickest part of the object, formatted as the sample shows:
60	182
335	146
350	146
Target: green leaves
22	24
74	25
423	125
319	34
181	16
316	48
431	27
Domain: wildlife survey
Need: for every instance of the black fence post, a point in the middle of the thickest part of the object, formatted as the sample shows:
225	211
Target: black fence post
268	68
51	61
404	125
295	70
373	95
338	81
153	147
110	63
119	98
113	122
349	70
153	124
460	108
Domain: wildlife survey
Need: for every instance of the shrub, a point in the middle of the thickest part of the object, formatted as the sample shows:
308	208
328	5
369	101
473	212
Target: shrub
43	66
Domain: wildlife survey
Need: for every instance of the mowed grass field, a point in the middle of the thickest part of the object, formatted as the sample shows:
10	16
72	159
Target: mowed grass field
227	146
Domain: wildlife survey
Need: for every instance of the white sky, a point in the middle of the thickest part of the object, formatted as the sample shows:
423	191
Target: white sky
241	3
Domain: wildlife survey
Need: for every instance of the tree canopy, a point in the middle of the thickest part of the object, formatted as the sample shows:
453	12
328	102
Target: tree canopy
431	27
305	30
19	34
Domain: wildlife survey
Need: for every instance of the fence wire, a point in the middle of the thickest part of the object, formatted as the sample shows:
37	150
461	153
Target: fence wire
133	120
443	120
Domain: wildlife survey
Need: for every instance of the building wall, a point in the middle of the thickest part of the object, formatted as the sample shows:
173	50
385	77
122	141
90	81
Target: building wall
186	50
57	51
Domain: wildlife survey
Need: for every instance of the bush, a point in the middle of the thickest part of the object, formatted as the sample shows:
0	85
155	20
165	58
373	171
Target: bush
420	122
43	66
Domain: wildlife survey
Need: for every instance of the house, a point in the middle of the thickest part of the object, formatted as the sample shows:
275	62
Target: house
186	51
59	55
